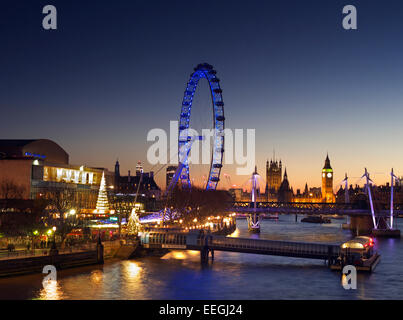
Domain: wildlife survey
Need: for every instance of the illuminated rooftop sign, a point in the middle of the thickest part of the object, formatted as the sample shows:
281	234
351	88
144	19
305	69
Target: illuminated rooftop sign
36	155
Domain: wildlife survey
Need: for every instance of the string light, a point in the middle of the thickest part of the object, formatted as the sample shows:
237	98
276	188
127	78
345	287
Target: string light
102	202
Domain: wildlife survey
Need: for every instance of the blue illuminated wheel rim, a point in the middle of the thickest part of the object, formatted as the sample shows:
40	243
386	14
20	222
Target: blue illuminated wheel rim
203	71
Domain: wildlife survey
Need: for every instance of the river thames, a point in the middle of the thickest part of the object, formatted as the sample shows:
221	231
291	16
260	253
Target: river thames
179	274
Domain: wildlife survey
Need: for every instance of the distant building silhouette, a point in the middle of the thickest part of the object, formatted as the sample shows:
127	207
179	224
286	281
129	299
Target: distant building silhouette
130	184
279	189
285	192
273	178
380	194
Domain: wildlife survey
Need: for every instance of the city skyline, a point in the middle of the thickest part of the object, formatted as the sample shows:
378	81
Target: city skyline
307	88
221	152
160	177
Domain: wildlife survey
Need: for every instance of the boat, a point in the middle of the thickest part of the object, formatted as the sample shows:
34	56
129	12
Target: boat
359	253
335	217
270	217
316	219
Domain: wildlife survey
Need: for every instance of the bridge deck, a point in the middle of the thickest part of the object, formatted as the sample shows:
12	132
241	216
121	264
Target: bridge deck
274	247
193	241
310	208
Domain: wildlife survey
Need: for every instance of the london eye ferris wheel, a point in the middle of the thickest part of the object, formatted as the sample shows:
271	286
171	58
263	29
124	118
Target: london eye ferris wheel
185	140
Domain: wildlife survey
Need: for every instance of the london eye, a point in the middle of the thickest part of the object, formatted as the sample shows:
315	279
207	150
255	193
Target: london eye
185	140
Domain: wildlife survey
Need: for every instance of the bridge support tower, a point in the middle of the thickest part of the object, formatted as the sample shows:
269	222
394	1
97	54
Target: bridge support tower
204	255
361	225
254	218
205	250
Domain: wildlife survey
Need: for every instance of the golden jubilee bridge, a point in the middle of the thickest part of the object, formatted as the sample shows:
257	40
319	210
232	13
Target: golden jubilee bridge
367	216
311	208
361	219
336	255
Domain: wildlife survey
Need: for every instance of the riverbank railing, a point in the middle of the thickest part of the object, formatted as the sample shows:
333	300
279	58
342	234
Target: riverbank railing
19	254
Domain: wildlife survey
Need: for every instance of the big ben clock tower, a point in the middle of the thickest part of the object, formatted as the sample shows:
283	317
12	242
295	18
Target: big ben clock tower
327	182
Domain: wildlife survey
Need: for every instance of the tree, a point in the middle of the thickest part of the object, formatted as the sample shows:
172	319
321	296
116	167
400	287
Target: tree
123	205
30	221
10	190
198	203
133	226
64	205
20	217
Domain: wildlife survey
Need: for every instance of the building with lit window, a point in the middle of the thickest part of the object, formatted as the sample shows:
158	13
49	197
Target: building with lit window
36	167
142	182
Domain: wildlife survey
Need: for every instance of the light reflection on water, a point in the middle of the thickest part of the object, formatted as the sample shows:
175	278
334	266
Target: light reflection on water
51	291
182	255
235	233
179	275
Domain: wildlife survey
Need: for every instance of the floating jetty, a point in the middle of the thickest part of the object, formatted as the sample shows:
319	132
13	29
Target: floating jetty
359	253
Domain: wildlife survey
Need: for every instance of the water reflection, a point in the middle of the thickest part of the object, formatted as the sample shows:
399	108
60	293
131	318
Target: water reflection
181	255
51	291
96	277
132	269
235	233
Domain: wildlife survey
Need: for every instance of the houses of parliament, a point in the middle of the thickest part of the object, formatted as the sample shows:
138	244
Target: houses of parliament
278	188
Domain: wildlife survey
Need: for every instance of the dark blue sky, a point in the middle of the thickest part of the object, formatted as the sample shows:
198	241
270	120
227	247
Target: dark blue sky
116	69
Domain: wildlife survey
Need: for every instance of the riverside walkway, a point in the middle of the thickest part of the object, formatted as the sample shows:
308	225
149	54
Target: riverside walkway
22	254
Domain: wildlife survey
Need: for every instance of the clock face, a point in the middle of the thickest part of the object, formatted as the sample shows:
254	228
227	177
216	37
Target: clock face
323	175
329	175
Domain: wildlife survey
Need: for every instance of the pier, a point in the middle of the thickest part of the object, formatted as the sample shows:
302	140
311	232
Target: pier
206	243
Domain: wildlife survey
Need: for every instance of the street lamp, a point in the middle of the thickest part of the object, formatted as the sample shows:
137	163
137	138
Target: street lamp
54	238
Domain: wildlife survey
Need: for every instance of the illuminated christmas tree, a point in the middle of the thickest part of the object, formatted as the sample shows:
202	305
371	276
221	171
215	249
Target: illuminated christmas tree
102	202
134	226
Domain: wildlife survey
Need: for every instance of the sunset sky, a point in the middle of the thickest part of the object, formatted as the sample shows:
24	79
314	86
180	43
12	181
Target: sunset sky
116	69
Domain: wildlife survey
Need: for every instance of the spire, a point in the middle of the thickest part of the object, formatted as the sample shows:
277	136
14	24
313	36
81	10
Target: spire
117	174
327	163
285	174
117	168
